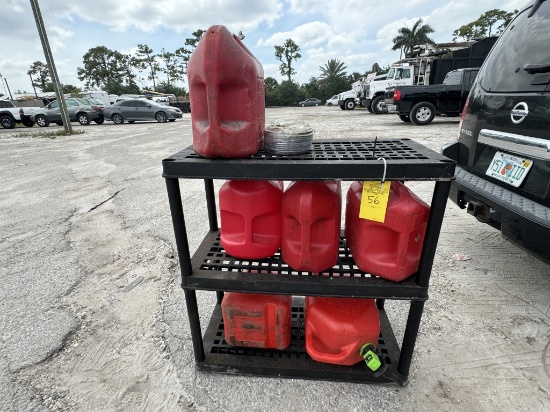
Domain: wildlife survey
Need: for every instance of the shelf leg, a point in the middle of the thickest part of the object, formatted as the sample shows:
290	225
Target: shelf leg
211	204
178	222
212	216
182	244
433	229
195	324
409	339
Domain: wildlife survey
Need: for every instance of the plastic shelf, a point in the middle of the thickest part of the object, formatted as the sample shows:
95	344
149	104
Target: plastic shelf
293	362
344	160
214	269
211	268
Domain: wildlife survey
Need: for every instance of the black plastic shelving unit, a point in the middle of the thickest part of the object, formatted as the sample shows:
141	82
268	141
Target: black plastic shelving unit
211	268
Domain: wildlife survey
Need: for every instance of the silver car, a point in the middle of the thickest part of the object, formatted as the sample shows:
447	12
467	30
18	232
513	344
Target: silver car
80	110
140	109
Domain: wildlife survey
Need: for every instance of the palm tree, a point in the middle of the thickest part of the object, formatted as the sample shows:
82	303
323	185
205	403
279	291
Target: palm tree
332	68
408	38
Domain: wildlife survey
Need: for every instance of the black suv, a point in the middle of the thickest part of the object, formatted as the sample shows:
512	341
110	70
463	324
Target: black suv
503	147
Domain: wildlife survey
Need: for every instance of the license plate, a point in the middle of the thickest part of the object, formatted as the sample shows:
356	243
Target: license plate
509	168
391	107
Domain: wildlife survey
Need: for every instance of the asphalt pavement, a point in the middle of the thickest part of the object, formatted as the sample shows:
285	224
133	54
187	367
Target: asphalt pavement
92	316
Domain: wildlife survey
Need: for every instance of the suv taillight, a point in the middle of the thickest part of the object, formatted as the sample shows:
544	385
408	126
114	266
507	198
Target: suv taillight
462	116
396	95
21	112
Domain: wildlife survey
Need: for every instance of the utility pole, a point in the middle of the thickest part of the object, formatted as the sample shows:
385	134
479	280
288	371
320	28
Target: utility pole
2	81
8	86
34	88
51	66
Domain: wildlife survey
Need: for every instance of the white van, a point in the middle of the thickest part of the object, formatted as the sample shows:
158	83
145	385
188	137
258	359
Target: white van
333	101
98	94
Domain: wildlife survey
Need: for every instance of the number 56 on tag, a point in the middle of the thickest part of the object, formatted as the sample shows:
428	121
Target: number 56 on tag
374	201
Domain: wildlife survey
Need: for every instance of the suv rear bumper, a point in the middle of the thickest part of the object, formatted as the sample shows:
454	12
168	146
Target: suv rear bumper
523	221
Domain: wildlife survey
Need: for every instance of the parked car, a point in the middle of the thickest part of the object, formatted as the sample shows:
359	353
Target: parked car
140	109
310	102
333	101
420	104
503	147
10	115
80	110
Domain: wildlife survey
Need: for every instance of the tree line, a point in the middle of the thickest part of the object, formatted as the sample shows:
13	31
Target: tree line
333	78
120	73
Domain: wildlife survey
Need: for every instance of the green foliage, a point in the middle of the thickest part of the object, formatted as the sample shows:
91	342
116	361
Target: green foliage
352	78
408	38
165	87
193	41
49	135
331	68
183	54
40	74
270	83
310	89
333	85
375	68
286	94
146	60
114	72
483	26
99	64
169	68
113	87
66	88
286	54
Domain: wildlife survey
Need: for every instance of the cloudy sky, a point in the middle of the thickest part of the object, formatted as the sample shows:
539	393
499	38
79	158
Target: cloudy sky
357	32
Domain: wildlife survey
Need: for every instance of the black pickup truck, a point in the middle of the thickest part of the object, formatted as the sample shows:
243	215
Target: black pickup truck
420	104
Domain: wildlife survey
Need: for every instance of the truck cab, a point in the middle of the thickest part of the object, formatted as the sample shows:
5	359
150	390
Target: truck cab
373	96
420	104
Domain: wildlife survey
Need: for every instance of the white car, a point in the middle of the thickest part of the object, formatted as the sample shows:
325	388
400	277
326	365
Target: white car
333	101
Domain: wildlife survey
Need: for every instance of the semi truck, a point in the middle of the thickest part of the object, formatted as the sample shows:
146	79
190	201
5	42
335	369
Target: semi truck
426	67
348	100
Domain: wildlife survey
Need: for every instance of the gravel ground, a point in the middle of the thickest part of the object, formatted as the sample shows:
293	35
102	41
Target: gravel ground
83	217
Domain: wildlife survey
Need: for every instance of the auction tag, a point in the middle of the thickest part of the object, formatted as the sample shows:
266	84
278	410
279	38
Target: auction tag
374	201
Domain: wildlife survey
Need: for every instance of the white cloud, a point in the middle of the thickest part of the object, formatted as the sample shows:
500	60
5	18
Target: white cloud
307	35
356	32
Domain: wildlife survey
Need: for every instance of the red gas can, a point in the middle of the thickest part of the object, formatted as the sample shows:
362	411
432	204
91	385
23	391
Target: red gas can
250	214
337	328
391	249
226	88
311	225
259	321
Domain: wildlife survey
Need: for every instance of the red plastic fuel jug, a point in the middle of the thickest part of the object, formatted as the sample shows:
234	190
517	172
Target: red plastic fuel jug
226	88
250	214
391	249
311	225
254	320
337	328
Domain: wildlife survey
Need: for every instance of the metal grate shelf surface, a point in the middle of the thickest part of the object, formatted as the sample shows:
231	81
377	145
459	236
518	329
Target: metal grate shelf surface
293	362
345	160
214	269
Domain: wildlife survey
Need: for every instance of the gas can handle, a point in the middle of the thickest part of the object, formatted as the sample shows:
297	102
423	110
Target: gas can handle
330	357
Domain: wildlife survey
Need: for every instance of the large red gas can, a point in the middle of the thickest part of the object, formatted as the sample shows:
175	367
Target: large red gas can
311	225
226	88
254	320
391	249
250	214
337	328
